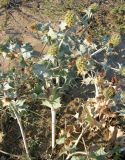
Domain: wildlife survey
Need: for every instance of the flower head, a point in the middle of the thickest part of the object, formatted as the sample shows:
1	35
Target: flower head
70	18
94	7
109	92
53	49
81	64
115	39
122	71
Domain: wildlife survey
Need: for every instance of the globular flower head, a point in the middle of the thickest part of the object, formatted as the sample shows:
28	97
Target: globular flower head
109	92
94	7
53	50
115	39
122	71
70	18
81	64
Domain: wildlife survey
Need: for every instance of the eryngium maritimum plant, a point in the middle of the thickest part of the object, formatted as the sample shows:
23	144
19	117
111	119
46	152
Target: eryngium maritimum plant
70	18
53	50
115	39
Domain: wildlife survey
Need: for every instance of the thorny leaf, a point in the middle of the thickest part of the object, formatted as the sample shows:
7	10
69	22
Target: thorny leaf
7	86
57	103
61	140
47	103
13	46
110	134
26	48
78	158
120	140
27	55
62	25
52	34
43	26
52	104
99	154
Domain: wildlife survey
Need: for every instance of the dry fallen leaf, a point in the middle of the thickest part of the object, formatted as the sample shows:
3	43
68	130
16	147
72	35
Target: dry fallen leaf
1	137
120	141
110	134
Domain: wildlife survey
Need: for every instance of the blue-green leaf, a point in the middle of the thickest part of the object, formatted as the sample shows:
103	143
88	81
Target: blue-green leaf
61	140
52	34
43	26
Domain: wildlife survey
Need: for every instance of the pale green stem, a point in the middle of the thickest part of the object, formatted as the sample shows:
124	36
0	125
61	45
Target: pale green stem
53	114
98	51
22	132
76	153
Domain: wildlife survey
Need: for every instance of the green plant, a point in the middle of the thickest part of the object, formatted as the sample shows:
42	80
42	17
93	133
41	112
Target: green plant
69	57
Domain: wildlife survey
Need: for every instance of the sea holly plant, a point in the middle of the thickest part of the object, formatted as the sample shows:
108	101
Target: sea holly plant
12	100
16	107
71	55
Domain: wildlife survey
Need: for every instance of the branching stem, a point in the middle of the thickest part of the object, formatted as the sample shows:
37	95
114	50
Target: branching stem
9	154
53	114
98	51
76	153
22	131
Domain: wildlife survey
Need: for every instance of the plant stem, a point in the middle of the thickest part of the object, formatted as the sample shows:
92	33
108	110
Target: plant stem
85	148
96	90
99	50
11	155
79	138
22	131
76	153
53	114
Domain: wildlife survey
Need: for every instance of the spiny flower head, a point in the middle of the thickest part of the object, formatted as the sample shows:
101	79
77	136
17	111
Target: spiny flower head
81	64
109	92
94	7
115	39
122	71
53	49
70	18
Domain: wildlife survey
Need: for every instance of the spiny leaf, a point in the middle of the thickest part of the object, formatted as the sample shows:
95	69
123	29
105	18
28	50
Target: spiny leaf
7	86
61	140
43	26
47	103
62	25
52	34
57	103
78	158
